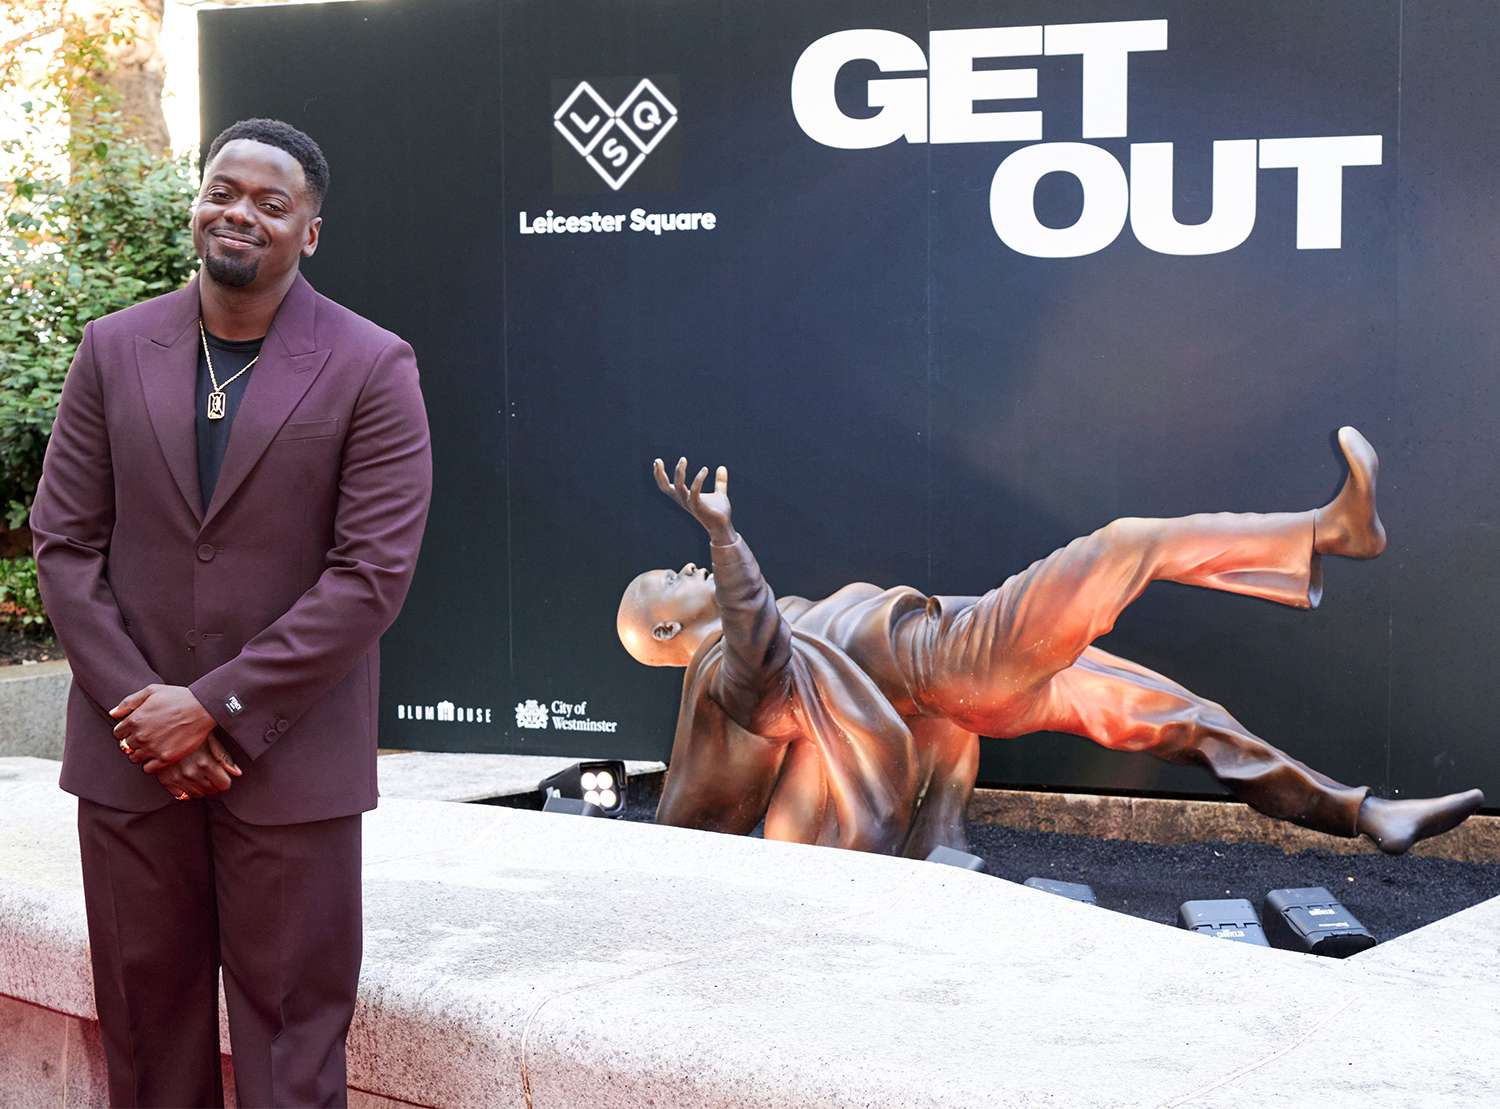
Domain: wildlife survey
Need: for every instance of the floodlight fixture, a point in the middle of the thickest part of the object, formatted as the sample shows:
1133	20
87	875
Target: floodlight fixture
1073	891
572	806
1311	920
599	782
1229	918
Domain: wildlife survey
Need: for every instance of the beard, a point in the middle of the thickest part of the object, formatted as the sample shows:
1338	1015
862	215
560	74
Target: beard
229	270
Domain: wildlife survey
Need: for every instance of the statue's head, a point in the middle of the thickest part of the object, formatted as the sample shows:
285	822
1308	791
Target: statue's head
665	614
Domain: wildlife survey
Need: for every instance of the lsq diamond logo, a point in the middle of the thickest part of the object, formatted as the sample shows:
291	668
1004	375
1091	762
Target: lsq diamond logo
615	141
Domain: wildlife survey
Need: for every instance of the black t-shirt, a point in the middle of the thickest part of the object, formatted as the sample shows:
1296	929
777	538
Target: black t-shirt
230	357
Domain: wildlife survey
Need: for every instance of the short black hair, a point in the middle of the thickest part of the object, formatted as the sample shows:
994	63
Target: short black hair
273	132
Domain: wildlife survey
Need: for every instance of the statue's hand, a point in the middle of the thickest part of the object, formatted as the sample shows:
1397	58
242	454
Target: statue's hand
710	509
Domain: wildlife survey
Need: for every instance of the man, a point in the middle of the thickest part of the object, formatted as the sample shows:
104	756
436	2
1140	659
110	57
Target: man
230	511
854	720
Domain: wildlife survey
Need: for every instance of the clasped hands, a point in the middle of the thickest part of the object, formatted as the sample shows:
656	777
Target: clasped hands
166	732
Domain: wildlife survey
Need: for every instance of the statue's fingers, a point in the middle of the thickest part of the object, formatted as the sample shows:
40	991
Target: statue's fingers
697	490
721	481
659	472
679	478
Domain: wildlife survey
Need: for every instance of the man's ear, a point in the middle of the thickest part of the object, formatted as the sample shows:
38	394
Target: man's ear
665	630
310	244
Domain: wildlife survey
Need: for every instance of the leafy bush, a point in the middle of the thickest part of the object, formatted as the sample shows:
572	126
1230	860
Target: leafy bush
111	232
20	600
91	220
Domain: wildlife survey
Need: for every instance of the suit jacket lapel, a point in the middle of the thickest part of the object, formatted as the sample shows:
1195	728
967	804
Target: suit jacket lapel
167	361
288	366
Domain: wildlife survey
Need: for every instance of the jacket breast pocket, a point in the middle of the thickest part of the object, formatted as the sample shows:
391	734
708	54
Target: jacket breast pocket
308	429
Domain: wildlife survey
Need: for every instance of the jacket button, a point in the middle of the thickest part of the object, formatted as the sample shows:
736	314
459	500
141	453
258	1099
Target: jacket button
270	733
282	725
192	637
206	552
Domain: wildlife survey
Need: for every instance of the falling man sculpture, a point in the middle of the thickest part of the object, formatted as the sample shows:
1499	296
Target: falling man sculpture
855	720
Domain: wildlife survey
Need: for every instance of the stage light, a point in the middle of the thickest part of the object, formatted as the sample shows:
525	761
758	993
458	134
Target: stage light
1230	918
1073	891
1311	919
948	856
571	806
600	783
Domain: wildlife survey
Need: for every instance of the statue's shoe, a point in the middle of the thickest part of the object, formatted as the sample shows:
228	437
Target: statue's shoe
1396	825
1349	525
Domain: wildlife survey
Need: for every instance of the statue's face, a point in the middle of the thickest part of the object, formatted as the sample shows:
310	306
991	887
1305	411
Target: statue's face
689	582
665	613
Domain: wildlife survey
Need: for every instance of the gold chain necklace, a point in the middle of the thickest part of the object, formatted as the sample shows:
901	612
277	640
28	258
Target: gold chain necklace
218	402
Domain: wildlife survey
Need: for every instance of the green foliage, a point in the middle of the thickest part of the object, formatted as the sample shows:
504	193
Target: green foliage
113	232
20	599
76	243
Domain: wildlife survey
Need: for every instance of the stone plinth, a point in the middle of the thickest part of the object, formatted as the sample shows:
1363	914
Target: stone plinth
515	958
34	708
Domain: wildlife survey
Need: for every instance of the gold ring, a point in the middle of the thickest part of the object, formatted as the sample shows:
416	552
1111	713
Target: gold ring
124	746
180	796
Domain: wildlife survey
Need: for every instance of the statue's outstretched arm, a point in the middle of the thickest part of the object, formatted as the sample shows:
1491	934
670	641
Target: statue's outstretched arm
753	682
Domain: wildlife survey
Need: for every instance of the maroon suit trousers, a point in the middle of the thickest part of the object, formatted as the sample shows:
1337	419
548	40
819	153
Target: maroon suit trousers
175	893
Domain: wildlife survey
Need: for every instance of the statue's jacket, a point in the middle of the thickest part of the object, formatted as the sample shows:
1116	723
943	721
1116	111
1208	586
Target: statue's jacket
782	682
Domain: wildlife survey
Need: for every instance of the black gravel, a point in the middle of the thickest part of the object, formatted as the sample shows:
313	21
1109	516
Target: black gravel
1389	895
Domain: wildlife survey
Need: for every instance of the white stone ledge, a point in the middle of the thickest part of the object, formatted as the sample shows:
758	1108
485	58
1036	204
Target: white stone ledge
607	964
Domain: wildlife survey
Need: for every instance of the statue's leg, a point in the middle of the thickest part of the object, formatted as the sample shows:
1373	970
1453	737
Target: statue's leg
1127	707
982	660
1005	646
801	810
939	821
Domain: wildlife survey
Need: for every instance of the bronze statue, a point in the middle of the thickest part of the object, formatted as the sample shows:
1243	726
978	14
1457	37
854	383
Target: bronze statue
854	720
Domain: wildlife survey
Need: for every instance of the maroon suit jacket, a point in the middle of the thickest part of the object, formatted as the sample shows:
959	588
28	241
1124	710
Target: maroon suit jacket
269	605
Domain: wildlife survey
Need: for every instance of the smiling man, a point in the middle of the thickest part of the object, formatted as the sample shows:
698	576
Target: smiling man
229	516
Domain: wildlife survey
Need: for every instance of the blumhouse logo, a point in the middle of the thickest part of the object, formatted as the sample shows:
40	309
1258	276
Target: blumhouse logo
615	141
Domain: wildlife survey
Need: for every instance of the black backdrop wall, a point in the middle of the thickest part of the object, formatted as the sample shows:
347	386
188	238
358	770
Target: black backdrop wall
901	396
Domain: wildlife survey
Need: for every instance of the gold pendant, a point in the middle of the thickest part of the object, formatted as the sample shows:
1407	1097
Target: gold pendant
216	405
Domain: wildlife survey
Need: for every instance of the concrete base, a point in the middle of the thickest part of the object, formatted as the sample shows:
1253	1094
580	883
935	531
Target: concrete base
34	708
49	1058
515	958
55	1061
1163	820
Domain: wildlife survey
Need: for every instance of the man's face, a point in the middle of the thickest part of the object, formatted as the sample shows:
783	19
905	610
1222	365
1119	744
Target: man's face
254	217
